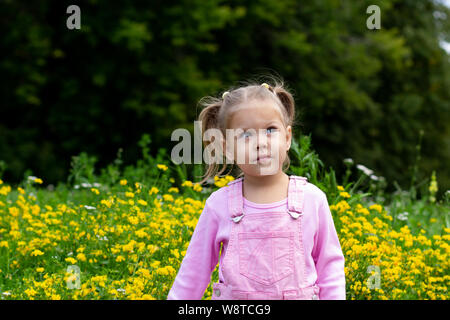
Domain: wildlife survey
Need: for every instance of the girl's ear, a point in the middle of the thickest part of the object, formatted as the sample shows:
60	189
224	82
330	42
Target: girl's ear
288	136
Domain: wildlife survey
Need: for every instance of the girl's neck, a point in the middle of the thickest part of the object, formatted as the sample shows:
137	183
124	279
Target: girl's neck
265	189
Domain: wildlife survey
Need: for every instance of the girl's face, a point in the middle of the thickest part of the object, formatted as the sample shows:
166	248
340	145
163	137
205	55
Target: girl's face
257	139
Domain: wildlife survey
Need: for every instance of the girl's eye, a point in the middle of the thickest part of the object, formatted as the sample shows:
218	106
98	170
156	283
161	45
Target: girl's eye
271	129
246	134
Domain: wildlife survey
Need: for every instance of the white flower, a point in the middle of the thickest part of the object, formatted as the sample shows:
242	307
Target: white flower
86	185
96	184
90	208
70	253
364	169
348	161
121	290
76	186
101	239
6	293
32	178
403	216
374	177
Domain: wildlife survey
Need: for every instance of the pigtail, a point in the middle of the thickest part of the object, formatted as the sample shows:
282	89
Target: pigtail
287	101
209	118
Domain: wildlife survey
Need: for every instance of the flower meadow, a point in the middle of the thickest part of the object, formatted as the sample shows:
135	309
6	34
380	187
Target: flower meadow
125	236
128	244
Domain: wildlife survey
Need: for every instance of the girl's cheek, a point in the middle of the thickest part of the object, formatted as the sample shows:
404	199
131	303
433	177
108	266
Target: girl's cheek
240	154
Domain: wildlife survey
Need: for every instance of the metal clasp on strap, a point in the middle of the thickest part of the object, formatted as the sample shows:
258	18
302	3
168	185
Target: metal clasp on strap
237	218
295	215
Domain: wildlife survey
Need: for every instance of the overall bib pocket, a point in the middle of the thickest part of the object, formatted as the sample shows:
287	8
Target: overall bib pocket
266	257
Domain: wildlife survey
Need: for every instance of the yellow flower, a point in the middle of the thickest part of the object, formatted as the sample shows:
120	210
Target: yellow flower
37	180
144	272
133	220
162	167
120	258
107	203
376	207
433	188
81	257
94	190
129	194
162	271
1	182
123	182
40	270
173	189
175	253
142	202
167	197
197	187
220	182
30	292
21	190
344	194
14	211
141	233
187	183
71	260
37	253
5	190
153	190
340	188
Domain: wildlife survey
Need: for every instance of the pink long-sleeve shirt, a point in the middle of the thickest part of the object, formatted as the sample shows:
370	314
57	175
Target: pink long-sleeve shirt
323	254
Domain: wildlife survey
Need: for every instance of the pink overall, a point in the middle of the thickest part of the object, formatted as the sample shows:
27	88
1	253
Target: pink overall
265	257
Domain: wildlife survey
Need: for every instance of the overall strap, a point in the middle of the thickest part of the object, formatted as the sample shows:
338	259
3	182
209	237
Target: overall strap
235	199
296	195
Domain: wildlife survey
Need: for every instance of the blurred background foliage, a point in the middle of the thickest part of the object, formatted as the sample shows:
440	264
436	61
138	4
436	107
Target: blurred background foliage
140	67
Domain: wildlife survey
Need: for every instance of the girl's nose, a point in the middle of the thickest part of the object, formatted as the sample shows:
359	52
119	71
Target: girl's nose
262	141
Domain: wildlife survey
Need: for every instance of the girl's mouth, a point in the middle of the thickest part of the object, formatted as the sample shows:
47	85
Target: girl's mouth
263	159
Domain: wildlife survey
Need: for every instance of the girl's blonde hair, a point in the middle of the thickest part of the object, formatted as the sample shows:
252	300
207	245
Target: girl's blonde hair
217	111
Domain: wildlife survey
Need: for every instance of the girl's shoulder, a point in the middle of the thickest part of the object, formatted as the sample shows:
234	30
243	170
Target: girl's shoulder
218	196
218	202
312	192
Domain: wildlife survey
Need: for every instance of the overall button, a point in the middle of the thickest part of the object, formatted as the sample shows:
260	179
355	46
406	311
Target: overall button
217	292
314	297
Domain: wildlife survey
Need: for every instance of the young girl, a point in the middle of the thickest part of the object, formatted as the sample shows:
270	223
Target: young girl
277	233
